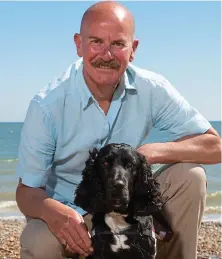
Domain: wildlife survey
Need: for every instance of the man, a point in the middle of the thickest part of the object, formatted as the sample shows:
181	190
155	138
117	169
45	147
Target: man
103	99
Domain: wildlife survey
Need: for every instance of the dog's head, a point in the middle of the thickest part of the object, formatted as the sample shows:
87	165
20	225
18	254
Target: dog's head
117	178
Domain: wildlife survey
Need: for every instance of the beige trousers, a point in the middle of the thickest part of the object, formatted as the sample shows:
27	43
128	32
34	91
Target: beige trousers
183	187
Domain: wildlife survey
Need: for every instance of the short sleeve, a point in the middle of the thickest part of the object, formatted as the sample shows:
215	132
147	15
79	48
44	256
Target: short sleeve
37	147
172	113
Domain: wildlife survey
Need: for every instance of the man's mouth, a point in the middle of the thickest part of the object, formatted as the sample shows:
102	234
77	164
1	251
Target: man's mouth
109	65
104	67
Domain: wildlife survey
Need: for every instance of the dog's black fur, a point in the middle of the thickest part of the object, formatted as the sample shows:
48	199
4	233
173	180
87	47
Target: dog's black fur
118	179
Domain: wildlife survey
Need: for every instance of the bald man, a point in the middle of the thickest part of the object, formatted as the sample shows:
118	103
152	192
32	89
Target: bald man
102	99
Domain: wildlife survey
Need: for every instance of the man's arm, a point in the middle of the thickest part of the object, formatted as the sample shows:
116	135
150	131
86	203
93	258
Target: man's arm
39	204
35	203
201	148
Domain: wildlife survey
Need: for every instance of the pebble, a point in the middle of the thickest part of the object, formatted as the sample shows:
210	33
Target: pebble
209	240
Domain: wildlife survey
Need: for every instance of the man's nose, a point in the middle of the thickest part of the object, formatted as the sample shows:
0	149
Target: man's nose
107	53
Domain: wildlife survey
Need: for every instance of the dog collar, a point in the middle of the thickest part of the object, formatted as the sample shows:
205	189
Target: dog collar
114	214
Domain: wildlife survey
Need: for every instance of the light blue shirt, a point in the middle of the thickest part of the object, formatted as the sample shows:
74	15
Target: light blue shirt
64	122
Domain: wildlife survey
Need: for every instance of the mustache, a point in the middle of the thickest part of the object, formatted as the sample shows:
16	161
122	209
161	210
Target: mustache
109	64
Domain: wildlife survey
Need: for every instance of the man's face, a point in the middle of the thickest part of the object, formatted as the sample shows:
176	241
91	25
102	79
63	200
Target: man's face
106	46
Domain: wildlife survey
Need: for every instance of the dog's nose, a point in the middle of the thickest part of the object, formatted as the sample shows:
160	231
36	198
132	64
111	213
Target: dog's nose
119	183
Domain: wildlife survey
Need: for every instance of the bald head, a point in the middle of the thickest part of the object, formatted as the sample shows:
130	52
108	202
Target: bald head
107	10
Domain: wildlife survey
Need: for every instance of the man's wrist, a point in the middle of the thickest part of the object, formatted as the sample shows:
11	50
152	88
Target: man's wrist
157	153
52	210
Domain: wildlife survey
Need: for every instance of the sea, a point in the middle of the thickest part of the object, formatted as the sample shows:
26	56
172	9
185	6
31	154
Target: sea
9	144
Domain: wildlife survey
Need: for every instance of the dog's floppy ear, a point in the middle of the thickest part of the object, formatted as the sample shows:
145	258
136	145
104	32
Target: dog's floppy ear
147	197
89	194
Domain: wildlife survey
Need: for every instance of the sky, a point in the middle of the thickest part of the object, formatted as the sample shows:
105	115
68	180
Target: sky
180	40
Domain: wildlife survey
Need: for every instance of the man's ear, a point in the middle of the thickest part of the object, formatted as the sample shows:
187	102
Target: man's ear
134	47
78	42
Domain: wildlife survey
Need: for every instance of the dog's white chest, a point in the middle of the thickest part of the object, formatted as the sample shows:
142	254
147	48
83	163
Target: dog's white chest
117	223
120	243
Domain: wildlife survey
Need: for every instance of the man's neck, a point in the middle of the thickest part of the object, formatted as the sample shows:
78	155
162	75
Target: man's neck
102	93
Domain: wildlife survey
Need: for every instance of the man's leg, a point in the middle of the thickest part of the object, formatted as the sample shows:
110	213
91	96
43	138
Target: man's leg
183	187
38	242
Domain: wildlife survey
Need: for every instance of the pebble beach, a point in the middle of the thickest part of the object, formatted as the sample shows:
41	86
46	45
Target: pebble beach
209	240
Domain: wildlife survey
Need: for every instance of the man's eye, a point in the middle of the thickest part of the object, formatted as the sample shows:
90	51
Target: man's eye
95	41
118	44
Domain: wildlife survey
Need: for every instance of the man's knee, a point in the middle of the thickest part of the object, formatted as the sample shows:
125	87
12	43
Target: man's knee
38	242
183	188
190	176
192	173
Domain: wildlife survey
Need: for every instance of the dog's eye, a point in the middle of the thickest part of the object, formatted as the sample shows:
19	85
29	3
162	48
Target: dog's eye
129	165
105	163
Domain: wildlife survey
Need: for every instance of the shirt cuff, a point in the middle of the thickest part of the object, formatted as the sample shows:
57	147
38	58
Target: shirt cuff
34	179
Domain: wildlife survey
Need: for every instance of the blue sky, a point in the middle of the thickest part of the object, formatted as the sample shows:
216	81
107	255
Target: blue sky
180	40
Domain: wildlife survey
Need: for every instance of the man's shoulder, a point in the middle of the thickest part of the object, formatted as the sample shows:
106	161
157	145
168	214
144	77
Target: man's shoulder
147	77
58	88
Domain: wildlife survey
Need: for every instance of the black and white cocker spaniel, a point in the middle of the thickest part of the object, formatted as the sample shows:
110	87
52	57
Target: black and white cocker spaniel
118	189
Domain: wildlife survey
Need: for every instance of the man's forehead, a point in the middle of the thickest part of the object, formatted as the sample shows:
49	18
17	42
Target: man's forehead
104	29
110	36
117	16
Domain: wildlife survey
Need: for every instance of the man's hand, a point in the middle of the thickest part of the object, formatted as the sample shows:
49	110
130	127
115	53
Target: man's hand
72	232
64	222
199	148
147	151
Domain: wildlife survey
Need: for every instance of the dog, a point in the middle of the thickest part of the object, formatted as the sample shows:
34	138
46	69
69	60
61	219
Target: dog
118	189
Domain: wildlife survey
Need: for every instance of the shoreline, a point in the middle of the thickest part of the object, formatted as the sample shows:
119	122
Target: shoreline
21	219
17	215
209	239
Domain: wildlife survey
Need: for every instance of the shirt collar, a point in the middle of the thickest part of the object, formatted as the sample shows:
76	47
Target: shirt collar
126	83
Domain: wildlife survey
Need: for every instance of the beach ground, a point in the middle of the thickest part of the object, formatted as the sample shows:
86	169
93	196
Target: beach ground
209	241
